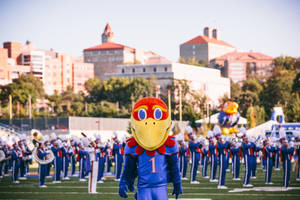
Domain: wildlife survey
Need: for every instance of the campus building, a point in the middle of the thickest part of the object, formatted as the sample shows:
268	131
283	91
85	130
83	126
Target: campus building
205	81
56	70
109	54
206	47
238	66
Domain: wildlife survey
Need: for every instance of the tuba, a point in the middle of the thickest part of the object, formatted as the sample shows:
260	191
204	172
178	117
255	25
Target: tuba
37	140
2	155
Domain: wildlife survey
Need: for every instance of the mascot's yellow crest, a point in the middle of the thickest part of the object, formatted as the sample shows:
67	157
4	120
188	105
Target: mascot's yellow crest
150	123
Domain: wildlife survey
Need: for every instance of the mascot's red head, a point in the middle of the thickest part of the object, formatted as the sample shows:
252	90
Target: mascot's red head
150	123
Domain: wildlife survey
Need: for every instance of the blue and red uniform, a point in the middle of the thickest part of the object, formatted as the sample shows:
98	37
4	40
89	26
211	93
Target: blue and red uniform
42	168
184	159
222	149
58	153
246	148
195	156
118	156
213	161
154	170
236	162
286	157
267	153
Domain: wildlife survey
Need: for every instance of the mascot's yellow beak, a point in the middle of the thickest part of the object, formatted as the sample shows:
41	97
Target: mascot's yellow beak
151	128
150	133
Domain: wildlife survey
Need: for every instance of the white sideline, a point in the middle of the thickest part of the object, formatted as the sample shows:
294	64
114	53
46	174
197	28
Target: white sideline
266	189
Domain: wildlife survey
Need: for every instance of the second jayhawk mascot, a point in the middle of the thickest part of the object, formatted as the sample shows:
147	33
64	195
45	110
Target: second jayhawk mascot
151	154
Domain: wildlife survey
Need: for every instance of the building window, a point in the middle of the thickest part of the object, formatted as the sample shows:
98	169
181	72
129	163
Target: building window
193	46
133	70
123	71
154	69
166	69
144	69
193	53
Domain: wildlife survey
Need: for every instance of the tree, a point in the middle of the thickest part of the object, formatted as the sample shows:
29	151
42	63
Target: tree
293	109
235	90
277	91
296	84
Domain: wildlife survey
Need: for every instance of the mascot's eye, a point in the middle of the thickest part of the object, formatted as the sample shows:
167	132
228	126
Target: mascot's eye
157	113
142	114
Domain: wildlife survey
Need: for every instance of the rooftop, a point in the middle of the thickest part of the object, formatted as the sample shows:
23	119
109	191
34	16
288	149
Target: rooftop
108	46
205	39
244	56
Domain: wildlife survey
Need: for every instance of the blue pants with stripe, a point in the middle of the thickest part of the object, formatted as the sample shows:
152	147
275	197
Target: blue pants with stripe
269	166
183	165
194	166
42	174
248	166
236	164
213	167
222	169
286	165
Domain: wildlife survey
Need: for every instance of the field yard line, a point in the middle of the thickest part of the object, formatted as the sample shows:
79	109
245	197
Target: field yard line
105	187
189	194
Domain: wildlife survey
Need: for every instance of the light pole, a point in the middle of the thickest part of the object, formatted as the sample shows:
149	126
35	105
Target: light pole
98	122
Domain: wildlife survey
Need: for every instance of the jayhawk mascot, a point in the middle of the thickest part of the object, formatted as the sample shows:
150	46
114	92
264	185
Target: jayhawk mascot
151	154
229	117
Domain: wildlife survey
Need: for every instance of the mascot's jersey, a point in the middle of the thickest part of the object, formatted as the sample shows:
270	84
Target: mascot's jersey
152	165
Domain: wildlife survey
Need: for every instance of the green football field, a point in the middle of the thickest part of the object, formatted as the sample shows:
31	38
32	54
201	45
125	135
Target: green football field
73	189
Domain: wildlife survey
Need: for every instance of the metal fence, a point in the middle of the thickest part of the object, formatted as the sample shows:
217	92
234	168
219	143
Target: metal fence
26	124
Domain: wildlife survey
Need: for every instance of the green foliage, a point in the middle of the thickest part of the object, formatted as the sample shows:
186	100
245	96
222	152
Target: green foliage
192	61
21	89
293	109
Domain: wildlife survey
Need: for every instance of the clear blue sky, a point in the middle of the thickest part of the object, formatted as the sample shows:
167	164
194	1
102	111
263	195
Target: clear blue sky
271	27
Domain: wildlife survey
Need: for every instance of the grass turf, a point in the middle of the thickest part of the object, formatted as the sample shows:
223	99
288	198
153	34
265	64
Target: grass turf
75	190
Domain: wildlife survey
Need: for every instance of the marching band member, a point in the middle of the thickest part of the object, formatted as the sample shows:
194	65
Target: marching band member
109	156
42	153
82	158
246	148
213	157
57	151
47	147
267	152
16	160
253	158
67	154
118	152
236	150
101	158
74	156
205	151
221	148
195	154
183	157
286	157
297	152
277	157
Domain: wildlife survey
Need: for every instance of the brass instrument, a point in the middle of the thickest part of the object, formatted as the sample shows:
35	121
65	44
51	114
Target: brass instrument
38	139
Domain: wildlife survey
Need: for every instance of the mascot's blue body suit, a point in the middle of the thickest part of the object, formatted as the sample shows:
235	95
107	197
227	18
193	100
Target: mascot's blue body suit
153	168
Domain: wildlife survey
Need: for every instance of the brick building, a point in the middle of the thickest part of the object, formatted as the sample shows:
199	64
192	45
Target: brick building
206	47
109	54
240	65
57	71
